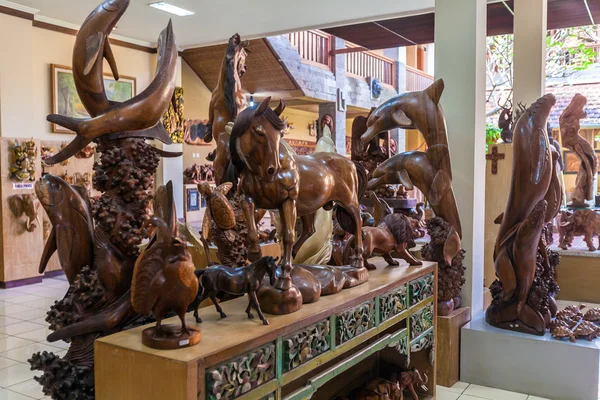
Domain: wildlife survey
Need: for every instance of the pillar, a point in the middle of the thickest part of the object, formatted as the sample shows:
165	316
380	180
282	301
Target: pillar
400	134
529	70
339	125
460	33
171	169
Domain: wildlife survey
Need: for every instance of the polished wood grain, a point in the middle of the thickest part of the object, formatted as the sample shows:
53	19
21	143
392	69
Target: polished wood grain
448	345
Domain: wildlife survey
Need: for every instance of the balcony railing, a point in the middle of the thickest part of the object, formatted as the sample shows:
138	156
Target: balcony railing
417	80
368	64
313	46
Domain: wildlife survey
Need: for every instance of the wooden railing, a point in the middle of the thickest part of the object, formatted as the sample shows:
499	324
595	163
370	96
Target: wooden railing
313	46
368	64
417	80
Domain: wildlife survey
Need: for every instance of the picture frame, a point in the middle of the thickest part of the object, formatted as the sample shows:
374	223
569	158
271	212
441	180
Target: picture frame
571	162
65	100
193	199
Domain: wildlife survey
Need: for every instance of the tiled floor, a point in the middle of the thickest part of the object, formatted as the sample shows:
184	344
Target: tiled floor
465	391
23	332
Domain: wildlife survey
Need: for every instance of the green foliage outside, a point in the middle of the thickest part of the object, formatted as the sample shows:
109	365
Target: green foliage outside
492	135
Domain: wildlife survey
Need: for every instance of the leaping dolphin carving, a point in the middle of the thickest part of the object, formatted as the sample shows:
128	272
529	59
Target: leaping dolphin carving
92	42
138	117
532	201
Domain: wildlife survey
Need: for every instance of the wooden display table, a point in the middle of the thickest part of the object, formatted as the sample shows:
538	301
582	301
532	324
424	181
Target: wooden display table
318	351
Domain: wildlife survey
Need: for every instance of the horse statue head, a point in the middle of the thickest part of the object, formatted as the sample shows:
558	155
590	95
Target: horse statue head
255	139
236	54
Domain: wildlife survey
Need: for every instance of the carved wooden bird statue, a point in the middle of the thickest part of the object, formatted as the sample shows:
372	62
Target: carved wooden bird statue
163	277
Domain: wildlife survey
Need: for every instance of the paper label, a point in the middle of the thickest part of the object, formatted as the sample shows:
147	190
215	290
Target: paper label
184	342
23	186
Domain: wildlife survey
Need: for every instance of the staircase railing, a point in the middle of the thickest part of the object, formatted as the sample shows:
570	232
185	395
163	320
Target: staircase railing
417	80
313	46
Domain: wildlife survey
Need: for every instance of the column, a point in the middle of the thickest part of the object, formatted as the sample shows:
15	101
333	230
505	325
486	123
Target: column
400	134
460	33
529	70
338	133
171	169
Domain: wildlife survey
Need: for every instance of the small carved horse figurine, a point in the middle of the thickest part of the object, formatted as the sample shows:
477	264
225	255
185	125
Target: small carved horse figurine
226	102
235	281
272	178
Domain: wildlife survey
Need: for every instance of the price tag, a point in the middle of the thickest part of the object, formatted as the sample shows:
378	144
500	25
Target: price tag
23	186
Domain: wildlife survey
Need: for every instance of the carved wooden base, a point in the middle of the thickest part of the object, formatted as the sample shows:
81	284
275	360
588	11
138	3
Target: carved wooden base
577	206
331	279
171	338
307	284
504	316
354	276
279	302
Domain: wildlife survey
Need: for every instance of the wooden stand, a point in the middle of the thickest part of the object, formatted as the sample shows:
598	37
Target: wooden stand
353	336
496	193
172	337
448	345
578	275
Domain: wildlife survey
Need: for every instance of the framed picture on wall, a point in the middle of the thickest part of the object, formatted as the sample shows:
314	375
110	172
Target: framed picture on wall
572	162
193	200
66	101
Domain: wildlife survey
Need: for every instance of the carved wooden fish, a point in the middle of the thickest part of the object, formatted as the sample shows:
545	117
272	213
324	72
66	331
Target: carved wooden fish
138	117
72	226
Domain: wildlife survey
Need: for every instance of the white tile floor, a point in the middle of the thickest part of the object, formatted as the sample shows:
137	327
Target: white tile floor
23	332
465	391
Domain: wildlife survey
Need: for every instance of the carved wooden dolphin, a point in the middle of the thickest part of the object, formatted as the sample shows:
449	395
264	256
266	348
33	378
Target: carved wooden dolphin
90	50
138	117
415	110
518	240
413	168
422	111
72	227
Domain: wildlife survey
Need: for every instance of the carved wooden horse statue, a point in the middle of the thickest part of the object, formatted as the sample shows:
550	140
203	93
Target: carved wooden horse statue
272	178
226	102
235	281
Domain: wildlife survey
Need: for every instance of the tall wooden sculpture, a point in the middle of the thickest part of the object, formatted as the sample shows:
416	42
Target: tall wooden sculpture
98	301
227	101
270	178
430	171
522	298
571	139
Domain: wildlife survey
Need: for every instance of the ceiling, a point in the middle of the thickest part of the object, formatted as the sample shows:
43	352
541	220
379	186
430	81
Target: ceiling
419	29
265	74
216	20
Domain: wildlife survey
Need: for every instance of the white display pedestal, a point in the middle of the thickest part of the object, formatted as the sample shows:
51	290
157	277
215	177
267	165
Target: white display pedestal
536	365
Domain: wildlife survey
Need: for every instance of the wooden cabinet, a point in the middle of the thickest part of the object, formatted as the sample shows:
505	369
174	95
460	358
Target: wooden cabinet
319	351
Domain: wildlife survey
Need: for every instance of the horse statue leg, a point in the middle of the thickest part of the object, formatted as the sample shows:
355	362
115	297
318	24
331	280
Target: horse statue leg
308	229
288	224
254	251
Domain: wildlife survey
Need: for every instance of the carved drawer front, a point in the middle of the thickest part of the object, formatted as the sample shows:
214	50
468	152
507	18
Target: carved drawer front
421	321
403	345
355	321
306	344
241	374
424	342
393	303
420	289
